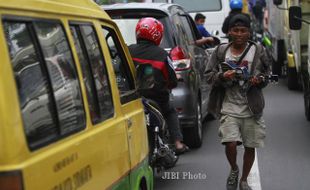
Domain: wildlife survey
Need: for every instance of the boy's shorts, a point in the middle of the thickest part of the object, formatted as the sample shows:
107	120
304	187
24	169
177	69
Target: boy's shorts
249	131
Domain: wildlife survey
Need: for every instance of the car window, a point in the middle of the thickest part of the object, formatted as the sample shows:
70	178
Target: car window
200	5
188	29
95	75
181	35
127	27
46	80
124	78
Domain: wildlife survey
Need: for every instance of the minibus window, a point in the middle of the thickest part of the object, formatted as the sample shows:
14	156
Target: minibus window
95	76
63	75
88	78
34	92
124	77
46	79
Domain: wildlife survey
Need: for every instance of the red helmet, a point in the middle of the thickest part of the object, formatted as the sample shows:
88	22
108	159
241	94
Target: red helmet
150	29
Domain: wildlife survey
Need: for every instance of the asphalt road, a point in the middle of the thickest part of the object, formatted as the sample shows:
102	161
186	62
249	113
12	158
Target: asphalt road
283	164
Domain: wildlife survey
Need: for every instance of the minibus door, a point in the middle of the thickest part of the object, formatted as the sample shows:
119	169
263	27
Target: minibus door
131	105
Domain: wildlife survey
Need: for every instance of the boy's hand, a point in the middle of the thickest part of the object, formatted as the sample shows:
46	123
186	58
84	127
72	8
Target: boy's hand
229	75
256	80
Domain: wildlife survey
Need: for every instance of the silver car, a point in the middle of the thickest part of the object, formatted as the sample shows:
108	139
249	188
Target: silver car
190	97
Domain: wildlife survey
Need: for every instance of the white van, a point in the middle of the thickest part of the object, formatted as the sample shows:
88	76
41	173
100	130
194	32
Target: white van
215	11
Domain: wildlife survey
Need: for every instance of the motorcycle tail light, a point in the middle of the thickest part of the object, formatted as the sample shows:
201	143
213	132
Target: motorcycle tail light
179	110
180	60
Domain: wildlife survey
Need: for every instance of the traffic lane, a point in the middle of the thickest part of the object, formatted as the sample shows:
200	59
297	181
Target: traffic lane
208	161
284	162
208	166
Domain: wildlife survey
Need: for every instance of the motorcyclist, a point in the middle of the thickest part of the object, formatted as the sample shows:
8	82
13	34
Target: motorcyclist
236	8
149	33
257	8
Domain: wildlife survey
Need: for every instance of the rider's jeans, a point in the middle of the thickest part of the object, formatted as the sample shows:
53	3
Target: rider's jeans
172	120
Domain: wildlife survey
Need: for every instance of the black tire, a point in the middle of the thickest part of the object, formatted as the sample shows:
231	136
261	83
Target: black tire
209	117
292	79
281	57
276	68
193	135
305	79
307	106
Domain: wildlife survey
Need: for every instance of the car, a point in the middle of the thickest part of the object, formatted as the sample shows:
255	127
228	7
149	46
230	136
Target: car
190	97
70	115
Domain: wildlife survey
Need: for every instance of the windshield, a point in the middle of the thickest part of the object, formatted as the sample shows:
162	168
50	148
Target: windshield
200	5
127	27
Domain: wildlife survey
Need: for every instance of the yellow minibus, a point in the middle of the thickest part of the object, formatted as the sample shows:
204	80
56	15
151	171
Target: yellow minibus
70	115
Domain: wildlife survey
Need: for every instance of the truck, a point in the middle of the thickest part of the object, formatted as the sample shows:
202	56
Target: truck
298	41
289	47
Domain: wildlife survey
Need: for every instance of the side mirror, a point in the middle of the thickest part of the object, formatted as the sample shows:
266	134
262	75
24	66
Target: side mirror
216	40
277	2
295	17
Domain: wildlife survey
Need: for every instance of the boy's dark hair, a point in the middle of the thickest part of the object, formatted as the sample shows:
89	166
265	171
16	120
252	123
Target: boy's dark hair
239	20
199	16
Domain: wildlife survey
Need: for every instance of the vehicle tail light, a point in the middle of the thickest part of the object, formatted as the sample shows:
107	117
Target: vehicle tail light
180	60
179	110
11	180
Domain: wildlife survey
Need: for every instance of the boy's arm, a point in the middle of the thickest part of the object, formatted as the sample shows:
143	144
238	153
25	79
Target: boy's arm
212	73
265	67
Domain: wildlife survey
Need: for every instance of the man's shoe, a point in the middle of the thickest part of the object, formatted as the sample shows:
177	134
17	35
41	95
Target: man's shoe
232	180
244	186
179	151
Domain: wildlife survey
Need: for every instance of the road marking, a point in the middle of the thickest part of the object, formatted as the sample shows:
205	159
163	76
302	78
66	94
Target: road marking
254	177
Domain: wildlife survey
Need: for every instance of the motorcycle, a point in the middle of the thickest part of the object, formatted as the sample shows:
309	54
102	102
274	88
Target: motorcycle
162	156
